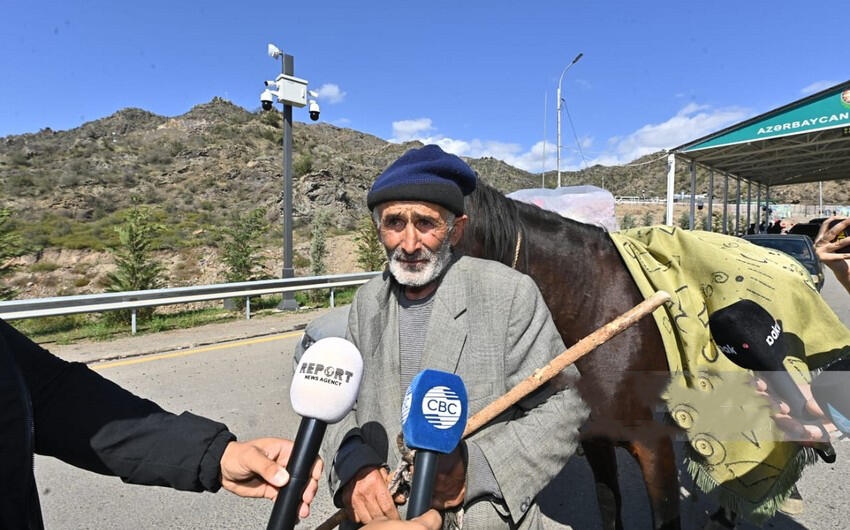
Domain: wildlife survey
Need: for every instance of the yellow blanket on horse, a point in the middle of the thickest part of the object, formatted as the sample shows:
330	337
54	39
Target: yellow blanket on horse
738	451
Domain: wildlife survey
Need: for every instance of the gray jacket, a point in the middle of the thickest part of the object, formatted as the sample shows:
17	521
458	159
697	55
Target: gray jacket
489	325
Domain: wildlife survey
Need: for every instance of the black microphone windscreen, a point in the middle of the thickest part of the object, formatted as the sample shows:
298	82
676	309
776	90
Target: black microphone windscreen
749	336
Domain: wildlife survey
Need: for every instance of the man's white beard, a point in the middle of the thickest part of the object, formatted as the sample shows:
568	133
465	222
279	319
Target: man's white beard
417	275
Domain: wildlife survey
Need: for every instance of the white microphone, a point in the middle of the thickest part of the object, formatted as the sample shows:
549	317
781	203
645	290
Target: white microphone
324	389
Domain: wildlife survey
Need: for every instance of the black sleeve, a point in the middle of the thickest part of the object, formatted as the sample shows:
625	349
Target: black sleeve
90	422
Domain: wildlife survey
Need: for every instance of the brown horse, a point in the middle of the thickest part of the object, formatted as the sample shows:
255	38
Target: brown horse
586	284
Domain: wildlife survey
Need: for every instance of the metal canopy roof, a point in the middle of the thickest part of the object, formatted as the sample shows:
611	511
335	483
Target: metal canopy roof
805	141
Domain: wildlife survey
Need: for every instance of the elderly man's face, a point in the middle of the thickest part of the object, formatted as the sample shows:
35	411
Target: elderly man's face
418	237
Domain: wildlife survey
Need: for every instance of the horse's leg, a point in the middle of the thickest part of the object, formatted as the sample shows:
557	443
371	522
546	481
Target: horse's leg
603	463
657	462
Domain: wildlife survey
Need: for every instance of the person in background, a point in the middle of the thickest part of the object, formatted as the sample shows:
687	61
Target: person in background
63	409
833	251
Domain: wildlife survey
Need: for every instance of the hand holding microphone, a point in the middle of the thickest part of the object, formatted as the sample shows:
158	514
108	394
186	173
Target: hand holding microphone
832	393
751	338
324	388
433	418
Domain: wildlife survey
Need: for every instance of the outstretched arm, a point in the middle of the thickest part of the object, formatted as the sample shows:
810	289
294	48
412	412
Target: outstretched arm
834	252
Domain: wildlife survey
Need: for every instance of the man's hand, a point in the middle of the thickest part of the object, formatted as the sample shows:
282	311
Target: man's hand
366	497
429	520
450	483
795	430
257	469
826	246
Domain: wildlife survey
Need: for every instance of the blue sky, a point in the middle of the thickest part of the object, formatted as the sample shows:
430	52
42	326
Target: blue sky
477	77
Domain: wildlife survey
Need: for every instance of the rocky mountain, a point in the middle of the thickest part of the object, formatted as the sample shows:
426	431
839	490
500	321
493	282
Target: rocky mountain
68	189
220	158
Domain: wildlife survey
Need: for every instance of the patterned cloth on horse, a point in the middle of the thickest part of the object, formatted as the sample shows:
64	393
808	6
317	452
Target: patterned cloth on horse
736	449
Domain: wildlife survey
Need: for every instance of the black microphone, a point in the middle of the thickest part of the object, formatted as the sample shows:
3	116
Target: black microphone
831	391
751	338
433	417
324	389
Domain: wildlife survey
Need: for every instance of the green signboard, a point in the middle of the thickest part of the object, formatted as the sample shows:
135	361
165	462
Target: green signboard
827	112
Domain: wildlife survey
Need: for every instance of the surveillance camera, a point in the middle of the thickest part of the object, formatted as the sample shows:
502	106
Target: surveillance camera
272	84
314	110
274	51
267	98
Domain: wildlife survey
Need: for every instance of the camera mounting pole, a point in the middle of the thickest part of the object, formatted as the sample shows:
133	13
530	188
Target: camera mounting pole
290	91
287	61
287	302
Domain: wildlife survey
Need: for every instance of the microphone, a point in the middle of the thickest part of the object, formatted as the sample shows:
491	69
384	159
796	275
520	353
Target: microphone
751	338
324	389
832	393
433	417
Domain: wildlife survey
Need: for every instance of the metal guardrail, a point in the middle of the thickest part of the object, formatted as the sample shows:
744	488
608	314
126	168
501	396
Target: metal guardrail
133	300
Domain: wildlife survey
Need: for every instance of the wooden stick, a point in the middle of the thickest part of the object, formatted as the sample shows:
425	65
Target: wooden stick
566	358
542	375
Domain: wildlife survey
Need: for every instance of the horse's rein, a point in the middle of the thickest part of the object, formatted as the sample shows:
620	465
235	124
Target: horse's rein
516	250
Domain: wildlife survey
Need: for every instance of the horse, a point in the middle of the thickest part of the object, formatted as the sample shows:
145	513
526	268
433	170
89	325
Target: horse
586	284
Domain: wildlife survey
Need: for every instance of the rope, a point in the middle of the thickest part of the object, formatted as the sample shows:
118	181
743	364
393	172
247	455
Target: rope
516	250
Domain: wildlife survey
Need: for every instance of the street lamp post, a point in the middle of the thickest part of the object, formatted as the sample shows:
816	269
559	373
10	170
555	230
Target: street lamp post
558	149
289	91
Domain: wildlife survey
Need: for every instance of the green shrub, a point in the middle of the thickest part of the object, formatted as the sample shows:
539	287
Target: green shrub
303	164
300	261
43	266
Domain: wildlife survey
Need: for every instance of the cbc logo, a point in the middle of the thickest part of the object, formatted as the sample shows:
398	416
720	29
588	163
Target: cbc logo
441	407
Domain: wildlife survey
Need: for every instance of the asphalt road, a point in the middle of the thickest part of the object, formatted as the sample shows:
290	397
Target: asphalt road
239	373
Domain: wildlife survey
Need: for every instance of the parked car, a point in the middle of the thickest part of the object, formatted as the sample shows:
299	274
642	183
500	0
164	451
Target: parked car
331	324
809	229
797	246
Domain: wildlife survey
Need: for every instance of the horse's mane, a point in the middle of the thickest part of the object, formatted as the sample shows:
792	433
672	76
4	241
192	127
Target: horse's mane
495	221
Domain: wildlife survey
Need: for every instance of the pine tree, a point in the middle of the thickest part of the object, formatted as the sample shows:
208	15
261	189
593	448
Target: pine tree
242	246
318	251
136	269
370	252
10	246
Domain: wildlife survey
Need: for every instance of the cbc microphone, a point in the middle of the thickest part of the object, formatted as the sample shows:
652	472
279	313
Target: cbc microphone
832	393
324	389
433	417
751	338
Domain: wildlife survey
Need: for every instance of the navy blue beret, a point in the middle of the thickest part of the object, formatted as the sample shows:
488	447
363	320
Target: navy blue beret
427	174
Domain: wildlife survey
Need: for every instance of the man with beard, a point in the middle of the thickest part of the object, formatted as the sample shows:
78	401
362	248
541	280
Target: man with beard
478	319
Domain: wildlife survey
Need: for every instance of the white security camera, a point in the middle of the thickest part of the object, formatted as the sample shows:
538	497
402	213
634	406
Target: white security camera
274	51
272	84
267	98
314	110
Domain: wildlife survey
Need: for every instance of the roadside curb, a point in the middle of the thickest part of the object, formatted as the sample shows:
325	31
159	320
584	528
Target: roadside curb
90	352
